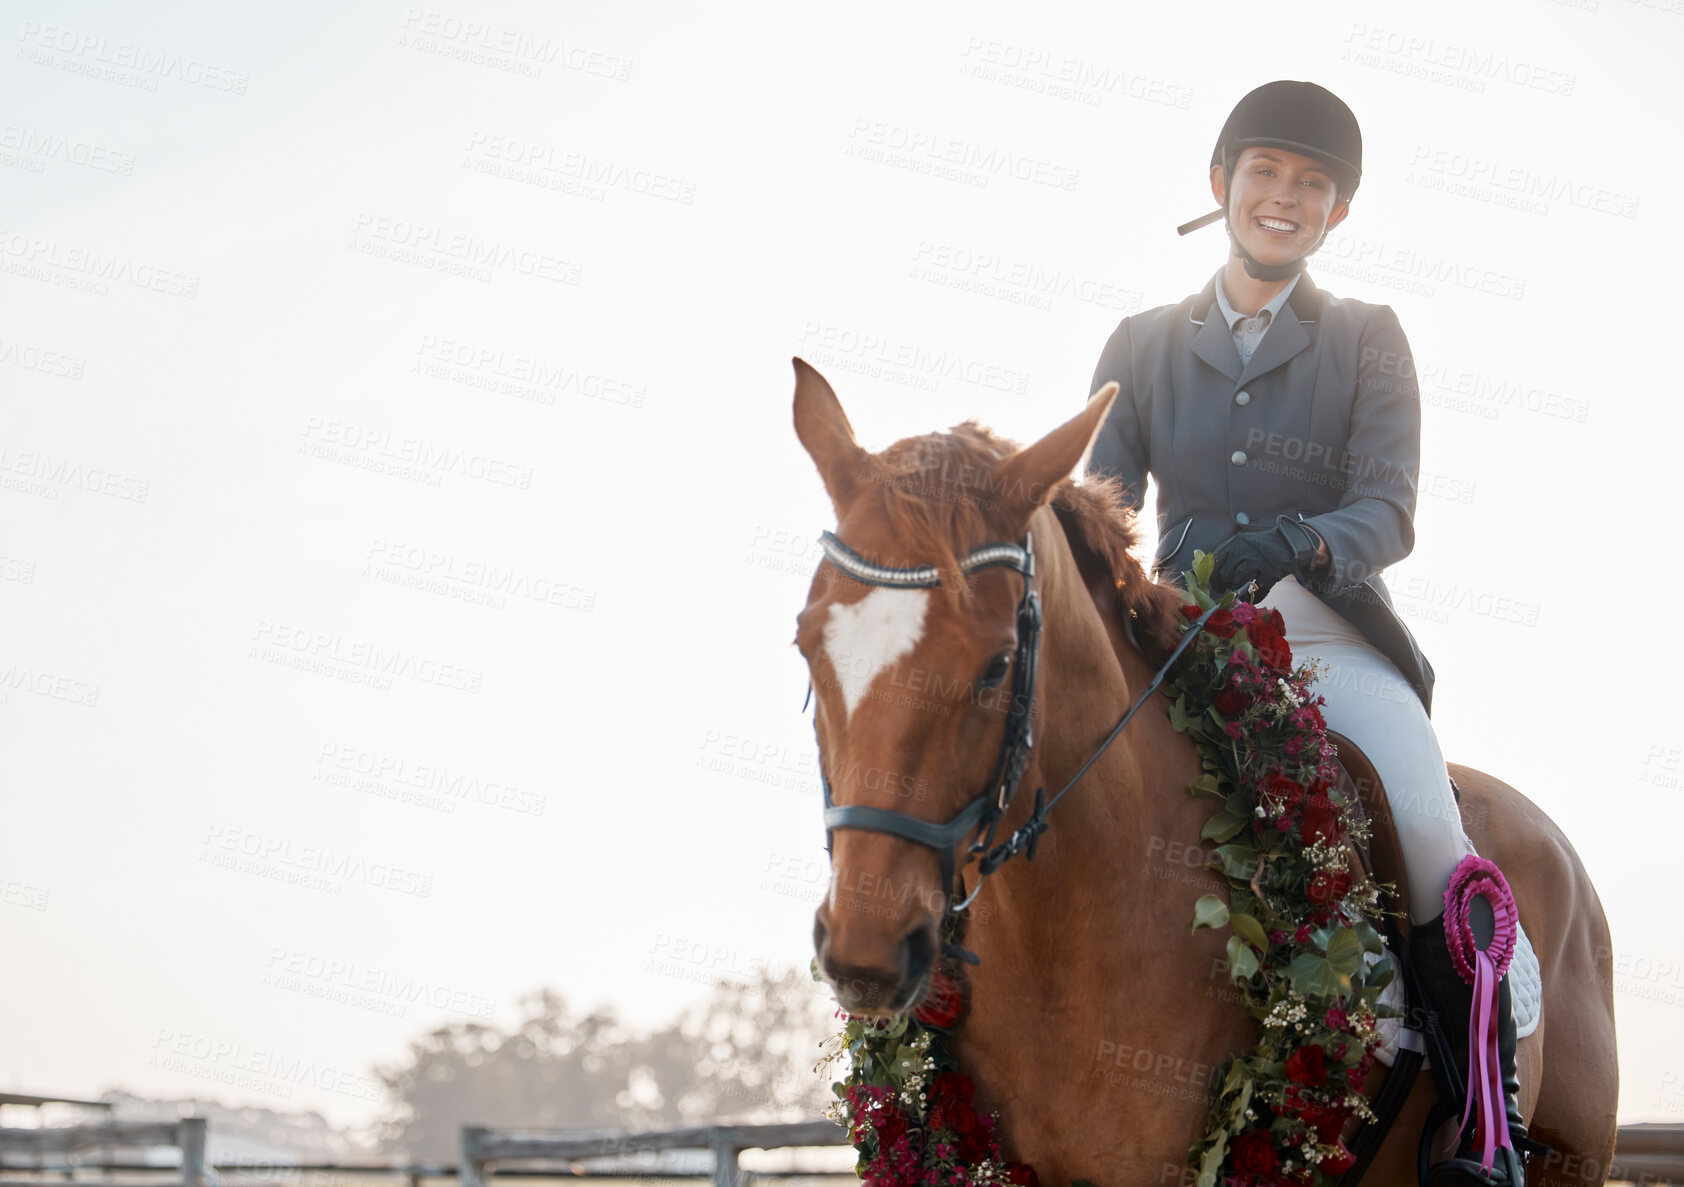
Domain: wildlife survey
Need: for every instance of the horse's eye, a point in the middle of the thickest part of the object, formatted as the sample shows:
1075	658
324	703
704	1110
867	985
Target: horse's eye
997	668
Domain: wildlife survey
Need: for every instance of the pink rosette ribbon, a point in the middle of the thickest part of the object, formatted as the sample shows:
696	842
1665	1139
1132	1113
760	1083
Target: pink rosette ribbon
1482	968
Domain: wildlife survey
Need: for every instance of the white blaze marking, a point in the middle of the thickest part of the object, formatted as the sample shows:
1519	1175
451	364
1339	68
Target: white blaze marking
864	637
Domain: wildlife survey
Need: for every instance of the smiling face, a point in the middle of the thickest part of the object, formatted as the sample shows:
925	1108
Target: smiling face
1282	202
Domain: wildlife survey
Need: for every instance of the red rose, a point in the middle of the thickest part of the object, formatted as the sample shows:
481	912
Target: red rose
975	1144
1321	821
1254	1153
1289	791
1329	886
1276	621
1337	1163
1222	624
890	1127
1021	1174
1231	703
952	1086
1270	643
1307	1066
1327	1122
941	1004
956	1115
1191	611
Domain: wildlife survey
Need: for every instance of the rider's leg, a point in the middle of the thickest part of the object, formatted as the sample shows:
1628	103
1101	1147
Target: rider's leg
1369	702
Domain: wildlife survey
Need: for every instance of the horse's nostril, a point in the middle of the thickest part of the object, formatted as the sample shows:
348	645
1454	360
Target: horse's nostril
919	952
818	935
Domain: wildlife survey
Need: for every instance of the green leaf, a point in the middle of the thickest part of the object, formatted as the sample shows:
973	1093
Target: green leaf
1178	719
1248	929
1222	826
1312	976
1344	951
1238	861
1204	564
1242	961
1206	784
1209	911
1371	941
1212	1164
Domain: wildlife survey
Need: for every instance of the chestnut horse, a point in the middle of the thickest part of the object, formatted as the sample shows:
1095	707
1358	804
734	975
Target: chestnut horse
1096	1022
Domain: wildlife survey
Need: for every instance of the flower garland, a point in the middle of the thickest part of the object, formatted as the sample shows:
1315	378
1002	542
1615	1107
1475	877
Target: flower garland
1302	928
1302	931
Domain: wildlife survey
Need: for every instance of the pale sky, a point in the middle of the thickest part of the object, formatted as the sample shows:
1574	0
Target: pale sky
318	323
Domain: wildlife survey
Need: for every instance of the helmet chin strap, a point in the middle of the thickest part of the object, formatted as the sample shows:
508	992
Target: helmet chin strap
1257	269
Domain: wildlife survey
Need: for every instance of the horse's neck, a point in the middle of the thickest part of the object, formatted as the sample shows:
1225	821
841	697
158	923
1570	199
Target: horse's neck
1092	870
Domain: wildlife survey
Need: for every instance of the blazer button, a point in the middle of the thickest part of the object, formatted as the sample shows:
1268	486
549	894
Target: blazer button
1237	457
1241	517
1243	399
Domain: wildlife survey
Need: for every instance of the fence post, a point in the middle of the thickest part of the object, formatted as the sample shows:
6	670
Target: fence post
193	1152
471	1171
726	1172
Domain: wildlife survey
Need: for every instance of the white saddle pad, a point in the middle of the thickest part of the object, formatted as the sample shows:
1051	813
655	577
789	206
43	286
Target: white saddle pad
1526	991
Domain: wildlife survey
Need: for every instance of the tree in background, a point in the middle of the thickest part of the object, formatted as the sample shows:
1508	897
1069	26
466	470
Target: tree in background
744	1053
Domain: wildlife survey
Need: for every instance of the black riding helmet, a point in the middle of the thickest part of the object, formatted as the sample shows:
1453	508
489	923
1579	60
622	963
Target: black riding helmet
1300	117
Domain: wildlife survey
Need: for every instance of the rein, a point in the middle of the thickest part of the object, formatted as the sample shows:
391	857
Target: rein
985	810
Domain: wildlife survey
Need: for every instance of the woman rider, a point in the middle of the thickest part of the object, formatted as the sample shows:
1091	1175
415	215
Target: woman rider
1283	426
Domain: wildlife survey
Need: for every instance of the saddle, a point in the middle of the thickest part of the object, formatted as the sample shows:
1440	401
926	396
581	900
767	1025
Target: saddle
1381	856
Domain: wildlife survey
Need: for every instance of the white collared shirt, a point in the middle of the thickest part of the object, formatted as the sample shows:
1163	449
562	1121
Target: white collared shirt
1249	331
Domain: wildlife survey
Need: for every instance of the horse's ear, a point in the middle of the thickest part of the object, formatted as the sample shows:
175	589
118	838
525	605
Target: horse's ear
1030	474
826	434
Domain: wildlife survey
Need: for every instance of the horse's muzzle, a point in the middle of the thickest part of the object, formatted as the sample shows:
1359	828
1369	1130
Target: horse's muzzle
884	987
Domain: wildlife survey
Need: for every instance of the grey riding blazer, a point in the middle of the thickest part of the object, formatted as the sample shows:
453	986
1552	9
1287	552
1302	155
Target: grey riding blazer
1323	424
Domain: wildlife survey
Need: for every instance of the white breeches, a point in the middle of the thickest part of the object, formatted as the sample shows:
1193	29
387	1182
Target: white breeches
1370	702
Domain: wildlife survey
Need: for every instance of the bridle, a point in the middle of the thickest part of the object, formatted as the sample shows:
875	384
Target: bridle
986	809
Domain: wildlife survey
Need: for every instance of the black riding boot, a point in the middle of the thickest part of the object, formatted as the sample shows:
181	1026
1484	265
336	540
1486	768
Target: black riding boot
1453	998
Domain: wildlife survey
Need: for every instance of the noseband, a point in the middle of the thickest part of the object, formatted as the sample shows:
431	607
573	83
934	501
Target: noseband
985	810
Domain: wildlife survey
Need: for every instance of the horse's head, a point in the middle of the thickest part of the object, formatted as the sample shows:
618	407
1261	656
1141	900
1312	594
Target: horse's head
915	683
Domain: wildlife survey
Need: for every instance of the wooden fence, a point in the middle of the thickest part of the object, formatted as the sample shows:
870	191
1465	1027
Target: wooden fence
1644	1154
188	1135
483	1148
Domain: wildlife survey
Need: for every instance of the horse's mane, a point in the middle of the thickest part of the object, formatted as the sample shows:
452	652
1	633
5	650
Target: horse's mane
941	500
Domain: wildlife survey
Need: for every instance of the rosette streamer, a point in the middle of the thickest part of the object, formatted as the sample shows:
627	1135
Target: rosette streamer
1482	968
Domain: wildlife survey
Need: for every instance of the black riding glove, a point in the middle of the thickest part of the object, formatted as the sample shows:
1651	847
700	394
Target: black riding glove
1264	557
